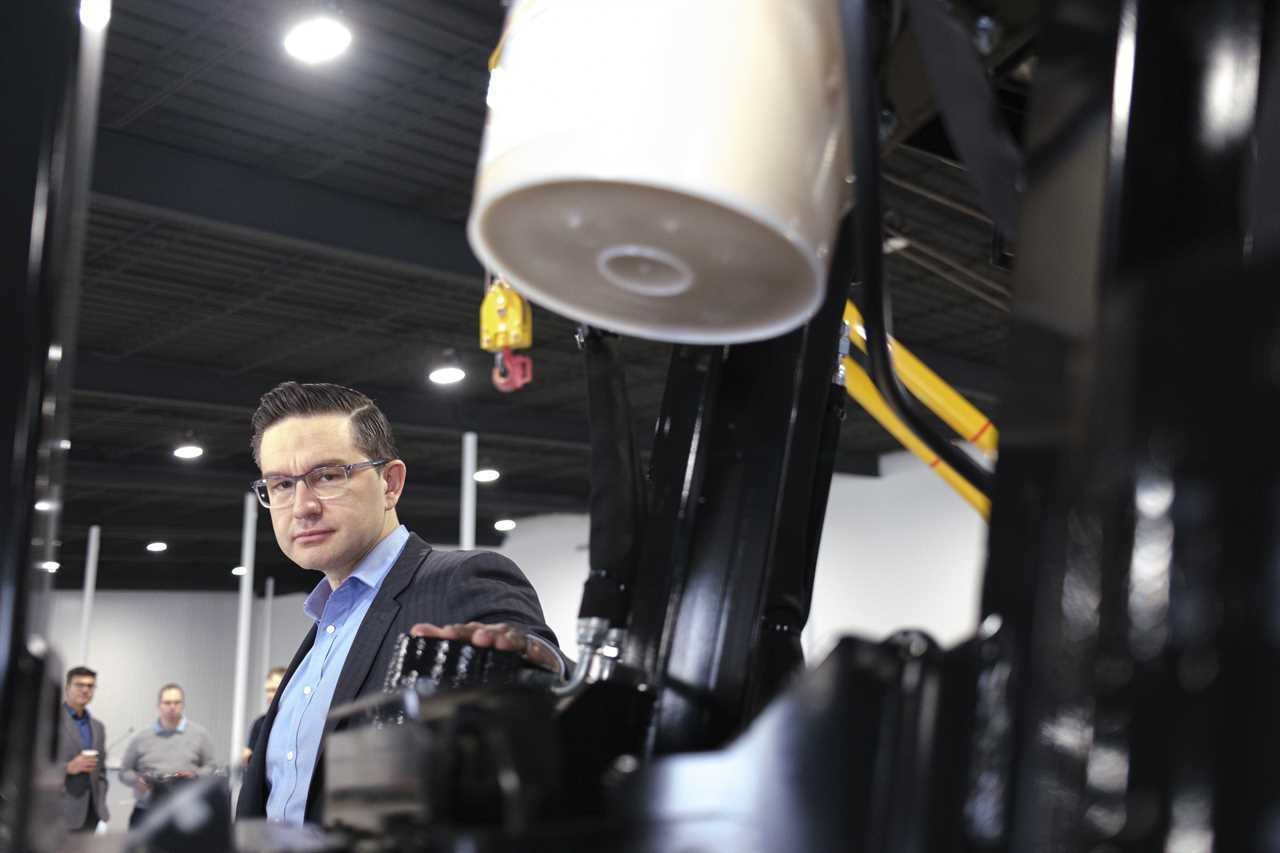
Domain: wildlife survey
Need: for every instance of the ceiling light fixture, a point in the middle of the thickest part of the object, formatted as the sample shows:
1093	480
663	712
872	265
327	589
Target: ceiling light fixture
317	39
896	244
50	566
448	371
238	571
486	475
188	451
503	525
45	506
64	444
157	547
94	14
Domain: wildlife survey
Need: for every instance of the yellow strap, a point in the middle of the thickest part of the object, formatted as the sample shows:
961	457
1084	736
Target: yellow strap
931	389
862	389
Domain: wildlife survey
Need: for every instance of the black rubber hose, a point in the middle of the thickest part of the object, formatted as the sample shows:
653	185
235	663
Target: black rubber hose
859	27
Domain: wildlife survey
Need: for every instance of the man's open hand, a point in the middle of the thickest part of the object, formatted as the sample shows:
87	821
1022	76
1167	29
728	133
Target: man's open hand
501	636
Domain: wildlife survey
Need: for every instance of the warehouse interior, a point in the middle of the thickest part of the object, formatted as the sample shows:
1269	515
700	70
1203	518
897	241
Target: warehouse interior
1061	209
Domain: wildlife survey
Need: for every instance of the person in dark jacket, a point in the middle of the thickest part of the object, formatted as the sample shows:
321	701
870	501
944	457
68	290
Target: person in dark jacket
331	478
82	747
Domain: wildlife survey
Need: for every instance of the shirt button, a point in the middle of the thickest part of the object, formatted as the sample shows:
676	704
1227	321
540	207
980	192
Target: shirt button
306	691
329	630
288	756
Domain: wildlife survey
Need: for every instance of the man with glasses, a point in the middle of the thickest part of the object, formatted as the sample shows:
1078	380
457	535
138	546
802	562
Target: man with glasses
331	478
82	748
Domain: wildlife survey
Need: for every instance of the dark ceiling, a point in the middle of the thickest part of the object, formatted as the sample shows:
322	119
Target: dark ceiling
255	220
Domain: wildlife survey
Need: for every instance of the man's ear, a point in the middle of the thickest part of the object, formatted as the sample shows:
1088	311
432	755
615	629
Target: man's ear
393	477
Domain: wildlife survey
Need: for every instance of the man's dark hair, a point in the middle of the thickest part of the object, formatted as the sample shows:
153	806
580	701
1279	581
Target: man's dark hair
369	426
80	671
171	686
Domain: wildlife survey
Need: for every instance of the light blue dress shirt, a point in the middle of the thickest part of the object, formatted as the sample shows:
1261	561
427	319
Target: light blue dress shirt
294	743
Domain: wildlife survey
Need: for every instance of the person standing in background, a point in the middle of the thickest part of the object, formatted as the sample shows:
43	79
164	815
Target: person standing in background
174	748
82	747
270	687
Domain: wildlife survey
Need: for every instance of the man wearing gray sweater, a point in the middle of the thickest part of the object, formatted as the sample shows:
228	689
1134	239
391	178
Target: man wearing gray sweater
174	749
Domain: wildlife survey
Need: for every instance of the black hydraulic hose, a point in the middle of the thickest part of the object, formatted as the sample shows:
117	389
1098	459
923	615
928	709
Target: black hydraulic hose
617	484
859	28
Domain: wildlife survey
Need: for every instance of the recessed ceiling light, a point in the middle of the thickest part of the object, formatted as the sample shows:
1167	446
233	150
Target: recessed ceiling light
157	547
45	506
502	525
486	475
94	14
447	371
447	375
238	571
64	444
50	566
188	451
896	244
317	39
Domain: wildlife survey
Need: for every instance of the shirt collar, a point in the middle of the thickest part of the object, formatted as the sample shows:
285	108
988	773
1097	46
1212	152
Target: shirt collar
370	572
182	726
84	715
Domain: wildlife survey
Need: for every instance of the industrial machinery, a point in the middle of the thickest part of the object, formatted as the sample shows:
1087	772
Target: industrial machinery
1121	693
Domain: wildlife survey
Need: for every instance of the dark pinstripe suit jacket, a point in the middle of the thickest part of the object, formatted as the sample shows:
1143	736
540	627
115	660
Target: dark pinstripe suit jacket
424	585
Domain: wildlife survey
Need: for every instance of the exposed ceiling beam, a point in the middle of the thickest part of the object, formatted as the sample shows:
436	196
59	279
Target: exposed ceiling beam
204	480
203	388
141	177
134	533
162	382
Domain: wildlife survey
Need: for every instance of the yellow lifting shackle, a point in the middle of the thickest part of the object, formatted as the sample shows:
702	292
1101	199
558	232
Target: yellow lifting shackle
506	319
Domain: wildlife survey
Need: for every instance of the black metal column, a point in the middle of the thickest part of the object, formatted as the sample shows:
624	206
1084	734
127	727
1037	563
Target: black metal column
738	424
50	66
1132	547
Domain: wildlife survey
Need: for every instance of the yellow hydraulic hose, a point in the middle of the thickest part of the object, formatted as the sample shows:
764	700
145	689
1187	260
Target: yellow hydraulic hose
862	389
929	388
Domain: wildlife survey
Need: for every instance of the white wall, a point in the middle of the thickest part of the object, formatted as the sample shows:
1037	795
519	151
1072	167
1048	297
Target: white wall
140	641
899	550
552	552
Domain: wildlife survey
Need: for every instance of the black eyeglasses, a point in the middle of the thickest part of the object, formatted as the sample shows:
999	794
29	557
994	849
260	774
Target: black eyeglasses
325	482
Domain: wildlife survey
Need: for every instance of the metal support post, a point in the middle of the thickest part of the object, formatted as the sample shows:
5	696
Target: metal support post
90	587
248	541
268	601
46	152
736	463
1131	542
467	516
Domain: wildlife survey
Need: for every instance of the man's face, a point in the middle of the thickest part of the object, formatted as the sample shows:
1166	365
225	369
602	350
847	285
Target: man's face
79	691
172	703
332	535
272	685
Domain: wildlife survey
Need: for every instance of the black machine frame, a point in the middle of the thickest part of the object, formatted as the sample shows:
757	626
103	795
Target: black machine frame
1122	693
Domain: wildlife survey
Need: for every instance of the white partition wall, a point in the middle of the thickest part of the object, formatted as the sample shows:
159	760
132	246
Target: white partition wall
898	550
901	550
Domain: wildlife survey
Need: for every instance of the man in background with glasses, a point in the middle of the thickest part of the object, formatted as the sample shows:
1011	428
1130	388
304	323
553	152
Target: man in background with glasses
82	747
331	478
